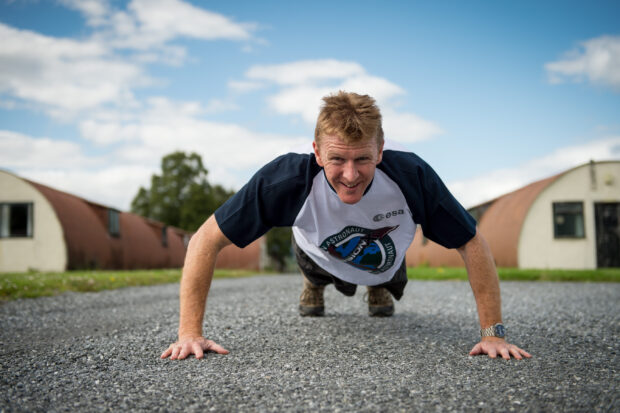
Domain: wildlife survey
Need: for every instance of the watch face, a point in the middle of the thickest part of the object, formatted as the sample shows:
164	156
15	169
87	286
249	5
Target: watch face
500	330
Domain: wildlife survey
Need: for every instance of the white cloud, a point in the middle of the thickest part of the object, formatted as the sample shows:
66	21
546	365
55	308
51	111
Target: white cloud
63	75
21	151
113	186
305	71
483	188
108	126
303	84
67	76
167	126
597	60
408	127
93	79
381	89
95	11
150	25
64	165
106	133
142	137
304	101
231	153
169	55
219	105
241	86
172	18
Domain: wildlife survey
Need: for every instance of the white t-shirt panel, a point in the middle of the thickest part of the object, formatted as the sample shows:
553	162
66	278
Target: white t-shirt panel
363	243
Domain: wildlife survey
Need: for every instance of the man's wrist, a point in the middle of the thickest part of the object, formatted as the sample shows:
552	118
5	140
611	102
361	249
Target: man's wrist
189	334
491	339
495	330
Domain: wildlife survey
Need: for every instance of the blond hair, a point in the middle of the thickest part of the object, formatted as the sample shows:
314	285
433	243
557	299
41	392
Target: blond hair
353	118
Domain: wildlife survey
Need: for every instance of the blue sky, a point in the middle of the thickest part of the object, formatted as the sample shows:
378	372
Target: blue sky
493	95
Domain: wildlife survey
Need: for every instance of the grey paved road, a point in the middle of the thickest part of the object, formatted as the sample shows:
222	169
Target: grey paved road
99	351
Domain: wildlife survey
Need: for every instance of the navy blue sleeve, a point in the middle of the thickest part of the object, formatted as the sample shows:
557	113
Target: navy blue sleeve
442	217
272	198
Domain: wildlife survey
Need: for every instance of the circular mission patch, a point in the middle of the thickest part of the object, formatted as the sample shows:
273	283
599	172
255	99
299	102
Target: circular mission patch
370	250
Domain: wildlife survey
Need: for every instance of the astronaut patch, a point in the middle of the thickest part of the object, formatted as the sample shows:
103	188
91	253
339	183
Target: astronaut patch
370	250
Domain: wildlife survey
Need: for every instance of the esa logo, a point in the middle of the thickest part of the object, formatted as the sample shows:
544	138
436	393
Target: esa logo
381	217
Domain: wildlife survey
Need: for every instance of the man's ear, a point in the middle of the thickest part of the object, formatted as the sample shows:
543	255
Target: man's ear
380	157
317	154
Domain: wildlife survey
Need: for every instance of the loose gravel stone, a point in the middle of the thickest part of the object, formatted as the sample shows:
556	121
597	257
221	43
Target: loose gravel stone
100	351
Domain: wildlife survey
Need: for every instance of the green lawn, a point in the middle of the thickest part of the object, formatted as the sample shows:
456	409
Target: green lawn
35	284
515	274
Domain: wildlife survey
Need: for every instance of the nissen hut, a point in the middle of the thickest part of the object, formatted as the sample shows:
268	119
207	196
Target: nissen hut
570	220
44	229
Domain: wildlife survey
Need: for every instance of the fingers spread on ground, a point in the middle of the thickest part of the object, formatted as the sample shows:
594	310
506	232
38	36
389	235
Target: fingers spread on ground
218	349
475	351
197	350
515	352
185	351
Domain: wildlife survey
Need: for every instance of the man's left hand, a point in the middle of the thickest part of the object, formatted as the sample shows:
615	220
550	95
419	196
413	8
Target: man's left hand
494	346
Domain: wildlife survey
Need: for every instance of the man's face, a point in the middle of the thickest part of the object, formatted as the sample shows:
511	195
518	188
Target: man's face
349	168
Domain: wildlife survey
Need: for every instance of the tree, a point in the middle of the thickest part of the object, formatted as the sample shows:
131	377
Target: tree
279	247
181	196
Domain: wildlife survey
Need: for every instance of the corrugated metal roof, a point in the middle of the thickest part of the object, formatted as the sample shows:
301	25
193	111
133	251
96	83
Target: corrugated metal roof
90	245
500	224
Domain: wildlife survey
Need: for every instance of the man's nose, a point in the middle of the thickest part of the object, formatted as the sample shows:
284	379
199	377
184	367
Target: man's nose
350	173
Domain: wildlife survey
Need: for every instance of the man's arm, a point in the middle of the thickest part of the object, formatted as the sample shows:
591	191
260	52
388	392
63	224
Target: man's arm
200	259
485	286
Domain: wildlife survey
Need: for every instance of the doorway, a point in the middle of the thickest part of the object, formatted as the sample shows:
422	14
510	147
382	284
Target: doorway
607	217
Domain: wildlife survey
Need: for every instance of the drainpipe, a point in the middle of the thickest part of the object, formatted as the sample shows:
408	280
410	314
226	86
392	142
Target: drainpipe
592	175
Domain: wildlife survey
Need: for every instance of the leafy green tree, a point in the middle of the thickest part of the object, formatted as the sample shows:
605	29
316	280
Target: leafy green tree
279	247
181	196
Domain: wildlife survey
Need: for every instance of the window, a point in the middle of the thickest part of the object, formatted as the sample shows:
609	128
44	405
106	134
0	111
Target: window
164	236
15	220
114	226
568	220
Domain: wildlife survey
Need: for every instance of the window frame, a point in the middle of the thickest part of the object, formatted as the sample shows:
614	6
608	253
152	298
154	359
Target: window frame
555	213
114	231
164	236
29	222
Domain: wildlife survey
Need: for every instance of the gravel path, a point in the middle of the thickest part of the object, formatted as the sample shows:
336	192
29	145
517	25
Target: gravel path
100	351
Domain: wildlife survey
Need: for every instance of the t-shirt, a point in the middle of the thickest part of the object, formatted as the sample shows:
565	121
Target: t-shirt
362	243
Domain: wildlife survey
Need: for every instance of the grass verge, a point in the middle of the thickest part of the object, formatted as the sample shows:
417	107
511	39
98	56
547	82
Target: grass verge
36	284
515	274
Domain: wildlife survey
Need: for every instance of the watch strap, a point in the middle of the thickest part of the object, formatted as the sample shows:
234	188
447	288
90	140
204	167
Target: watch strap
496	330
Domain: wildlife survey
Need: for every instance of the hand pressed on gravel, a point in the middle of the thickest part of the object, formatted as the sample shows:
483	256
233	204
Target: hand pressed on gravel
192	345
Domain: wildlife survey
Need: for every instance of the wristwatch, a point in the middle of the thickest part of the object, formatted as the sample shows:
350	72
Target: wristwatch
497	330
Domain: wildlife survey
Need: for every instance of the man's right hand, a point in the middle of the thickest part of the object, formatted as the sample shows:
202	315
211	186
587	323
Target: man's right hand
192	345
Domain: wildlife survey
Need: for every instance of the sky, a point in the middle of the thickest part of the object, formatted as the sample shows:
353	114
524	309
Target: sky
494	95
